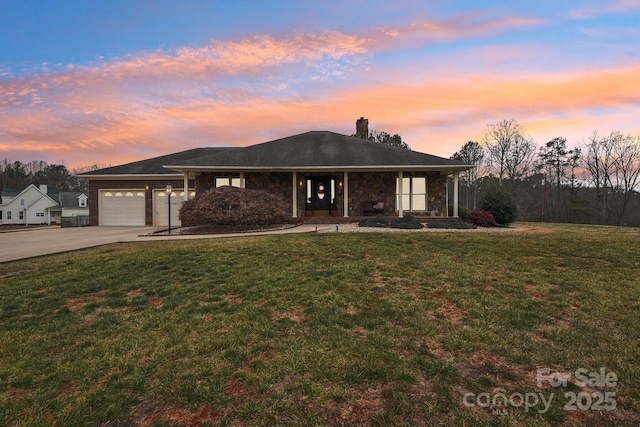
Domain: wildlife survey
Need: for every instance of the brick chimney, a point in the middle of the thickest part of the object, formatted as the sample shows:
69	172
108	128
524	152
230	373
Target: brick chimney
362	128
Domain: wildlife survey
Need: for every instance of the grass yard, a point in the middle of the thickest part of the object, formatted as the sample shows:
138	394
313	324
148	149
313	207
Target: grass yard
325	329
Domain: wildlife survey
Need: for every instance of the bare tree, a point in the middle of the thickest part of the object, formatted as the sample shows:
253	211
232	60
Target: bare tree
520	160
599	161
510	154
498	140
81	183
613	165
471	153
626	172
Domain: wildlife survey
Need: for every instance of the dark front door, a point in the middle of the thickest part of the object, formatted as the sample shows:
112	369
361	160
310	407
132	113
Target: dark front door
321	189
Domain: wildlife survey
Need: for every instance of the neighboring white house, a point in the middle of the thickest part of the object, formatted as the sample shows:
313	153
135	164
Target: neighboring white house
70	205
34	205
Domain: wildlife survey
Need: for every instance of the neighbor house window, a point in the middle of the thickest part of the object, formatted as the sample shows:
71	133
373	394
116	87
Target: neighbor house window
21	215
21	202
8	214
224	180
0	215
414	193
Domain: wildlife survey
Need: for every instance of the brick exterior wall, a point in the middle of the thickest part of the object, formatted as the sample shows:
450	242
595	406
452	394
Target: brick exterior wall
277	183
363	187
370	186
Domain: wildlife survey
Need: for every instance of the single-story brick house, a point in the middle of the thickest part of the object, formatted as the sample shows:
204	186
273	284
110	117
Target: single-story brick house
315	173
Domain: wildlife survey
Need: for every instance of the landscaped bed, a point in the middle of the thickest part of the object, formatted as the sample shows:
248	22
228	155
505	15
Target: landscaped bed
224	229
324	329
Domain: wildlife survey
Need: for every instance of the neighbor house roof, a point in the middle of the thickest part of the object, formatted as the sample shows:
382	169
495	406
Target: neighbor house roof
69	199
154	165
10	192
318	150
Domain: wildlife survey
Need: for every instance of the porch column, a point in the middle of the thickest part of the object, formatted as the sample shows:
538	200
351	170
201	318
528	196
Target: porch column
455	194
242	183
294	190
400	193
186	186
446	200
345	193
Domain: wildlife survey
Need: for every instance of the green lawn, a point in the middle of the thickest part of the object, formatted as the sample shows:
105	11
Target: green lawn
324	329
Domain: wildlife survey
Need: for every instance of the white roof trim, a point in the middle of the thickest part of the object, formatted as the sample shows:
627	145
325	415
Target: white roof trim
133	176
381	168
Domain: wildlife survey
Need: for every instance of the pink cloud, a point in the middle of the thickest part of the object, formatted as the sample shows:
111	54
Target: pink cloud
615	7
464	26
240	92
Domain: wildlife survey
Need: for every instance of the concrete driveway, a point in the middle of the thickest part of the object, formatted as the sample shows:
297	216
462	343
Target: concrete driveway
32	242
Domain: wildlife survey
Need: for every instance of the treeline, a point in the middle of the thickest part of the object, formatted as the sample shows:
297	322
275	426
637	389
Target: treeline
18	175
597	182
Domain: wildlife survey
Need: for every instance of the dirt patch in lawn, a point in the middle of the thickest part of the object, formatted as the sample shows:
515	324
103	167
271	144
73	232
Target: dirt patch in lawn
447	311
296	315
360	411
148	414
14	393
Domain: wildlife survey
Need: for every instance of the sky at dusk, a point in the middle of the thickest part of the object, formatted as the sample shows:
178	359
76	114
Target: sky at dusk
109	82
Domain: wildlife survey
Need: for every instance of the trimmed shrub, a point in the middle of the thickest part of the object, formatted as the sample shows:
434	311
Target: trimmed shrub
374	221
501	205
232	206
406	223
463	212
482	218
450	224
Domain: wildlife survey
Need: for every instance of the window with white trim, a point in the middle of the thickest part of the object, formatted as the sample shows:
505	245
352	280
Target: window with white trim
8	214
21	202
414	194
225	180
21	215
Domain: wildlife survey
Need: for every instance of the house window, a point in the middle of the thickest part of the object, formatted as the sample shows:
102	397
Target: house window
21	202
414	194
8	214
0	215
224	180
21	214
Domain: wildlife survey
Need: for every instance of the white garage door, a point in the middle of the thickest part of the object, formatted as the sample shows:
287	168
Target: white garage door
122	207
161	207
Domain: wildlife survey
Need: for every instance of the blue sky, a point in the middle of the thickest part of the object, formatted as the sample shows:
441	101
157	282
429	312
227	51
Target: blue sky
117	81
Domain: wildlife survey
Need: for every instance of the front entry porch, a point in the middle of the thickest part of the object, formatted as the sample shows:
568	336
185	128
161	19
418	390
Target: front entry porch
321	196
347	194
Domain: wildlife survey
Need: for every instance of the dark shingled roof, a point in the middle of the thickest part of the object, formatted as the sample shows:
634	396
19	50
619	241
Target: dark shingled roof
10	192
316	150
154	166
69	199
